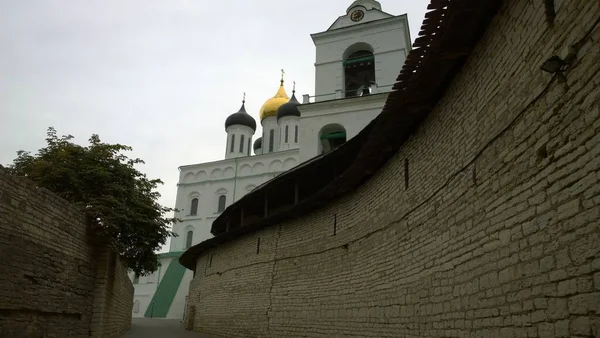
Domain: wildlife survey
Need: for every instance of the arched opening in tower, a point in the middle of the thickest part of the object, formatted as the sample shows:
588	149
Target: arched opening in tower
331	136
359	73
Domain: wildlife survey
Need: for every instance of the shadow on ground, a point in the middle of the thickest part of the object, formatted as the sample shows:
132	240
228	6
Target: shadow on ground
159	328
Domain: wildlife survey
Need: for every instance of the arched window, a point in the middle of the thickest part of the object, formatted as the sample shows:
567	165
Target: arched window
249	144
242	144
331	136
359	70
296	134
194	207
222	201
231	147
188	239
136	306
271	140
286	133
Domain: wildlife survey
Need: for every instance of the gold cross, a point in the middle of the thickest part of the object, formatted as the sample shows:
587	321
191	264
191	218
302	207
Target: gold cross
282	74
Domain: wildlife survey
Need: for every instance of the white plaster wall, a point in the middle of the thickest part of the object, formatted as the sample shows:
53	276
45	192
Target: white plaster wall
371	14
144	298
178	306
290	122
353	114
146	287
233	178
389	40
238	131
143	292
270	123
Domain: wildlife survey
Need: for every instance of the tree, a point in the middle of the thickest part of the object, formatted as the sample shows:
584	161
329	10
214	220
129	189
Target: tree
120	201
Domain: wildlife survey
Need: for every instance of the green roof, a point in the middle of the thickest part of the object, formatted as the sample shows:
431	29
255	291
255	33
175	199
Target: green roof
359	59
171	254
333	136
166	291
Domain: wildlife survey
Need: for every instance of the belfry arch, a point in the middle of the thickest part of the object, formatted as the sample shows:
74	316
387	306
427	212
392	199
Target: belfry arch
359	69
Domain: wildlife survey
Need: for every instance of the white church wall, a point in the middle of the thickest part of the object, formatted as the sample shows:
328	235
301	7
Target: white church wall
141	301
268	124
370	15
177	309
239	148
291	123
353	114
145	288
387	39
232	178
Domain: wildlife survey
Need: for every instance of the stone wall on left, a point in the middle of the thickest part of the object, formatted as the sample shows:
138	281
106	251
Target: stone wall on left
56	278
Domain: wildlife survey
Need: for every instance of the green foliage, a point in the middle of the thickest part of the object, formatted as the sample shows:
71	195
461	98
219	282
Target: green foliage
119	201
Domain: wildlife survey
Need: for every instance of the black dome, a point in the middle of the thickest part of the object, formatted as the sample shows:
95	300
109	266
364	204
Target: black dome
289	109
257	144
241	118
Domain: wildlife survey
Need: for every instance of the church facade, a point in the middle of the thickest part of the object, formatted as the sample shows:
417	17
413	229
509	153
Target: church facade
357	60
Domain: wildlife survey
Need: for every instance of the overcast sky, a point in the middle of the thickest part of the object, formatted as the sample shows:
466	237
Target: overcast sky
160	76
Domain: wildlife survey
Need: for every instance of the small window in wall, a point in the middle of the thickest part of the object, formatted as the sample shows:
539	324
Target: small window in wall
249	144
271	140
136	306
222	201
286	133
136	278
194	207
232	146
188	239
296	134
242	144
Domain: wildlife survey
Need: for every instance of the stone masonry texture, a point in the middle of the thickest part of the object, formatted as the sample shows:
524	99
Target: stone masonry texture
56	280
498	234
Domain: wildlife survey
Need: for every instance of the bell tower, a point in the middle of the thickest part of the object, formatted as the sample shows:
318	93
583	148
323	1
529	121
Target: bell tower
360	53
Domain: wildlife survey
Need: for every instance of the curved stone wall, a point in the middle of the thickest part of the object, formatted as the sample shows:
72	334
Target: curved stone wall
486	223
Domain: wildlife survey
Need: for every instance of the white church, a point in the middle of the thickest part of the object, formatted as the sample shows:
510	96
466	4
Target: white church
357	61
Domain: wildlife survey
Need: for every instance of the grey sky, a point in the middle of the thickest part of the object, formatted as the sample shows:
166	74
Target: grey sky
160	76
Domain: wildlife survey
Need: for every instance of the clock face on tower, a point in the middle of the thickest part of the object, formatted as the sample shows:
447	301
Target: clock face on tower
357	15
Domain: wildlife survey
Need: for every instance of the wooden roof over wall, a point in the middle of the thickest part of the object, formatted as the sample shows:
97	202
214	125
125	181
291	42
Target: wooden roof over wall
449	33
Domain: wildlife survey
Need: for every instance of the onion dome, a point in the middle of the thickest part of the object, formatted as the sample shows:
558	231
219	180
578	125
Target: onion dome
241	118
270	107
257	144
290	108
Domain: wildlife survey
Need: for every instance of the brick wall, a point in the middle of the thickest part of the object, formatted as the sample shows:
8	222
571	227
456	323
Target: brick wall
497	234
51	271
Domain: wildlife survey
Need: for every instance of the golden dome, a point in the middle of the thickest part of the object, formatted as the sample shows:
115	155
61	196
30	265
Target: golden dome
271	105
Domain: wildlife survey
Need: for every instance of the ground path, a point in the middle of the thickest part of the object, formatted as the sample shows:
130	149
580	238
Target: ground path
159	328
